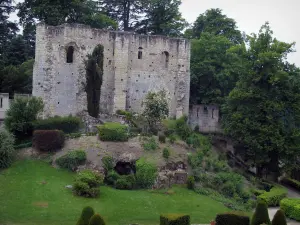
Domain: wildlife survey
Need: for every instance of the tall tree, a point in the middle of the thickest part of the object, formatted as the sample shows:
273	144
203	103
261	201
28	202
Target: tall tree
263	111
214	22
162	17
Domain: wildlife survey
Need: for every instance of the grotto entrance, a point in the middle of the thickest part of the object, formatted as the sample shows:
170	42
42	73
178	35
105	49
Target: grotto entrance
125	168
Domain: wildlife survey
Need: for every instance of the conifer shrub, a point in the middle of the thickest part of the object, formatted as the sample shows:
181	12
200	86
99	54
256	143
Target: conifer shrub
113	132
166	153
161	138
72	160
175	219
48	140
261	214
86	215
279	218
234	218
96	220
291	208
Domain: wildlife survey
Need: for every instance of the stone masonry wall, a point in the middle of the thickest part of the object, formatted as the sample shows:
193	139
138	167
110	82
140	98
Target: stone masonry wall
163	64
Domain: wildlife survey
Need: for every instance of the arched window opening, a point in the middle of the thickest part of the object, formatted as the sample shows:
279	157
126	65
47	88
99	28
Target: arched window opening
166	59
140	53
70	53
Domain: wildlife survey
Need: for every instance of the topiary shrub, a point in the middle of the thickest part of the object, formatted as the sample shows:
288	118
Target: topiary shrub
96	220
166	153
175	219
191	182
234	218
68	124
7	151
146	174
279	218
72	160
86	215
291	208
113	132
261	214
162	138
48	140
274	196
87	184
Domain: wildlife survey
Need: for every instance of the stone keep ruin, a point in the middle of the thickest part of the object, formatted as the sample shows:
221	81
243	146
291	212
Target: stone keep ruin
132	65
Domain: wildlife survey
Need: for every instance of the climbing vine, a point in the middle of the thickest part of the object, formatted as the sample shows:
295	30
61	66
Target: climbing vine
94	74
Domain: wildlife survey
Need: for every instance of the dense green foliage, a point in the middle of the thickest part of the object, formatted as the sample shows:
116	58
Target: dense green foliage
86	215
48	140
113	132
72	160
166	153
7	151
261	215
21	115
67	124
236	218
291	182
291	208
191	182
174	219
279	218
87	184
146	173
150	144
274	196
107	162
96	220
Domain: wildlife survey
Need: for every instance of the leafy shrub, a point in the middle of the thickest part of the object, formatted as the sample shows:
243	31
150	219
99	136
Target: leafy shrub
169	127
236	218
291	208
172	138
228	189
175	219
21	115
73	135
162	138
113	132
274	196
68	124
261	214
7	151
72	160
146	173
166	153
191	182
48	140
121	112
107	163
86	215
279	218
258	192
87	184
291	182
182	128
112	177
123	184
150	144
96	220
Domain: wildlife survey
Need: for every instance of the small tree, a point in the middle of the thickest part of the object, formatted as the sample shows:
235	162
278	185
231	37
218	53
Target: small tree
86	215
7	151
261	215
21	114
155	108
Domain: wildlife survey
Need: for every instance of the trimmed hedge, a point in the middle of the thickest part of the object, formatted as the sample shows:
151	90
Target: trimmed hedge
48	140
175	219
234	218
274	196
86	215
291	182
96	220
72	160
291	208
279	218
68	124
113	132
261	215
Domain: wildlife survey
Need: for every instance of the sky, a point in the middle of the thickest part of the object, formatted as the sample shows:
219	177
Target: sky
250	15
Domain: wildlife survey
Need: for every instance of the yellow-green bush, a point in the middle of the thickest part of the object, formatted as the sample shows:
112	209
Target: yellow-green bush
274	196
174	219
113	132
291	208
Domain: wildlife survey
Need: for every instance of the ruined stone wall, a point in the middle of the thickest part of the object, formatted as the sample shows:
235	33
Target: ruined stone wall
126	80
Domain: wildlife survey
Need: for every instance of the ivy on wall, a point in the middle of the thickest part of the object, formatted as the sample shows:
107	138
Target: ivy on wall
94	74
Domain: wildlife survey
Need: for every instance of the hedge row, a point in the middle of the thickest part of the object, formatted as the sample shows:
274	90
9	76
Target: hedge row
113	132
236	218
175	219
72	160
274	196
292	183
68	124
291	208
48	140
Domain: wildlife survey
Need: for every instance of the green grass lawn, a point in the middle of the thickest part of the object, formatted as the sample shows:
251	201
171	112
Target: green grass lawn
34	193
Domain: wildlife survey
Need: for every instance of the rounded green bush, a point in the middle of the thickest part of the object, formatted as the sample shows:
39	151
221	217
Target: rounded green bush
96	220
72	160
166	153
7	151
191	182
86	215
261	214
279	218
123	184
